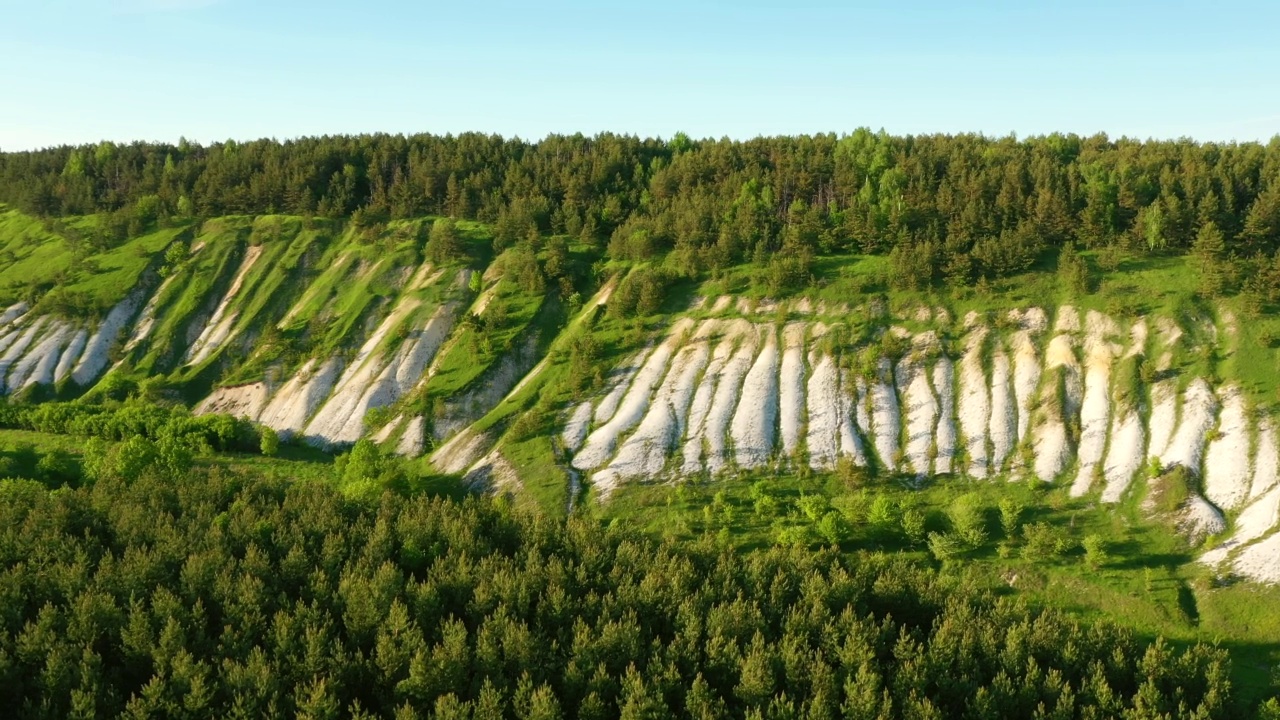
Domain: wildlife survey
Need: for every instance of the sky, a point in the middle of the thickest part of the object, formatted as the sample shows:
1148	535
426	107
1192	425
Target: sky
80	71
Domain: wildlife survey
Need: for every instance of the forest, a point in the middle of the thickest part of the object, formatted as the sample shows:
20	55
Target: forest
145	590
947	208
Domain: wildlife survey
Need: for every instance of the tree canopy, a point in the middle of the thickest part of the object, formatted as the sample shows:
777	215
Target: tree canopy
970	206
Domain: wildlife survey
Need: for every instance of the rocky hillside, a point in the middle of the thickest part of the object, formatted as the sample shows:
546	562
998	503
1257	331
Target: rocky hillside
330	333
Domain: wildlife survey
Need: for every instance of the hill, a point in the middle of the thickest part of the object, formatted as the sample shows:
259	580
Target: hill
1047	365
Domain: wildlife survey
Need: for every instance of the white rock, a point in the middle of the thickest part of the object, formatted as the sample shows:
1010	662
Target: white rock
792	387
704	395
644	453
1052	448
921	414
96	352
7	339
300	397
1187	446
1226	467
69	356
1004	410
576	429
147	320
13	312
494	474
461	451
1026	377
1124	456
341	418
861	406
1199	519
728	390
1095	412
1127	438
399	376
753	425
975	402
1164	416
1253	523
1260	561
1266	460
1061	354
851	444
824	412
886	419
603	441
1034	320
387	430
37	366
619	382
1068	320
412	440
17	348
945	438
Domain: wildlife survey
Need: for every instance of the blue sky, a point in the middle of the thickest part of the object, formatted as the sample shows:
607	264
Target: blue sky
76	71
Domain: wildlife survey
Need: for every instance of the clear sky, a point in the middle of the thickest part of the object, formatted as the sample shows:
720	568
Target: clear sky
76	71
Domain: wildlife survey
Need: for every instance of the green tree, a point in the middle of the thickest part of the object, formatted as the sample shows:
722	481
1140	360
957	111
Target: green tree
1095	551
443	245
269	441
1209	253
834	527
1010	516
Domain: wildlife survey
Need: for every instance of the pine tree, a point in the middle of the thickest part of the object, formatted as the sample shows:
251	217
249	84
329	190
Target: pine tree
1209	252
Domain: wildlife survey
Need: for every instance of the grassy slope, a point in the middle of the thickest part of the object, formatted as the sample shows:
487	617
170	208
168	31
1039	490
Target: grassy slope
32	255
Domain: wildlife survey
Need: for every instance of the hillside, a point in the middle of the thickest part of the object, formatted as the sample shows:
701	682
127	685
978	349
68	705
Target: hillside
328	333
1042	368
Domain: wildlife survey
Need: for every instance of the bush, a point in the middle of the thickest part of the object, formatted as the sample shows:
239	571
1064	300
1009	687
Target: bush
1044	541
814	507
945	546
1010	516
834	527
270	441
968	519
881	514
913	525
1095	551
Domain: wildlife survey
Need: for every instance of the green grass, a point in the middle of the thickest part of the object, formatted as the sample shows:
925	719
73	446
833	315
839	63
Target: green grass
1148	583
30	256
118	271
470	353
36	257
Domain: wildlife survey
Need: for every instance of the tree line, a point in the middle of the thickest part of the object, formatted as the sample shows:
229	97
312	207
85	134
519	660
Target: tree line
952	208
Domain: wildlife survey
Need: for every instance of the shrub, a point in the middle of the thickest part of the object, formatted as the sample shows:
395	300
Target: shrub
913	525
945	546
269	442
1010	516
968	519
881	513
834	527
1095	551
